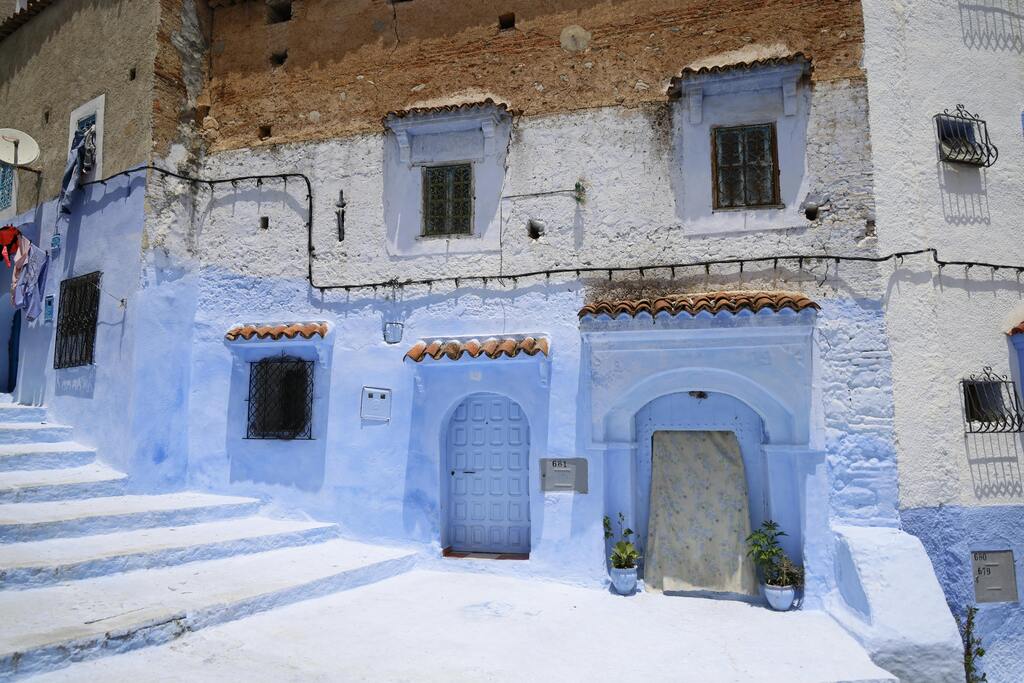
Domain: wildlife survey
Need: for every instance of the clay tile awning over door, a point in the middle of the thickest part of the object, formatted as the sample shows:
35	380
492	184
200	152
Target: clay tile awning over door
493	348
276	331
694	304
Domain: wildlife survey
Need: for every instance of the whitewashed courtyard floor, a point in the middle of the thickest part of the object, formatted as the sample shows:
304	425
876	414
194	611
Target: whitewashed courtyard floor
456	626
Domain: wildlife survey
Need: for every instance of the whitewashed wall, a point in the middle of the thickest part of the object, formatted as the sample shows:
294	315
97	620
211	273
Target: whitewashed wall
922	58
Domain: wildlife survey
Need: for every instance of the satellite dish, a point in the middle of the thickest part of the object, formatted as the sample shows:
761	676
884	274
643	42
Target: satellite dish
17	148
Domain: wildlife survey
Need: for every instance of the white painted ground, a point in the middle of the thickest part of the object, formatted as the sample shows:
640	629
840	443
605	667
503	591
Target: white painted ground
454	626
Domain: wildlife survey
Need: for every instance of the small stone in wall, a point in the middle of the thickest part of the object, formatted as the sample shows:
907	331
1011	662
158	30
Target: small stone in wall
575	38
417	88
314	117
640	85
539	87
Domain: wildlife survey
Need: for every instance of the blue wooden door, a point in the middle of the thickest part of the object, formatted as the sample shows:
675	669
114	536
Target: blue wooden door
487	464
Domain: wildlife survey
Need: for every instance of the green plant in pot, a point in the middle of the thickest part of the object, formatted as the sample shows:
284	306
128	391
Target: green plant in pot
624	556
781	577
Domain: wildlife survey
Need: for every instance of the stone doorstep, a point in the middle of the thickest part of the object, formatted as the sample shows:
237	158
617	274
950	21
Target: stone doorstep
40	563
48	628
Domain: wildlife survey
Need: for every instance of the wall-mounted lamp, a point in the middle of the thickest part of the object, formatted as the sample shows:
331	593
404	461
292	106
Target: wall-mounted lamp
393	332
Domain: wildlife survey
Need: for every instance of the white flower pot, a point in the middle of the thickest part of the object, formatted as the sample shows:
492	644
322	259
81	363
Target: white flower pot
624	580
780	598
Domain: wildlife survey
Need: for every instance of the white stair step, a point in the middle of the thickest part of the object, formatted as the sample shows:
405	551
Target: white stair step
88	481
38	521
47	628
12	412
38	563
33	432
41	456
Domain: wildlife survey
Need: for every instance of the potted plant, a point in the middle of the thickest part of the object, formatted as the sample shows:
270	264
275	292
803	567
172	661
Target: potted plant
624	557
781	577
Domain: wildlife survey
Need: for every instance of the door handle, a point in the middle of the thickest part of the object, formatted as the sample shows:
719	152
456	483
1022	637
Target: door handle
469	471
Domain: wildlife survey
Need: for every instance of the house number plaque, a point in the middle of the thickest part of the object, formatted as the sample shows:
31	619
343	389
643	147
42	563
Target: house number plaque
563	474
995	578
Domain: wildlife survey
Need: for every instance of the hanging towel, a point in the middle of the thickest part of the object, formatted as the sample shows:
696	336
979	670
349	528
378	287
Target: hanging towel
30	281
80	161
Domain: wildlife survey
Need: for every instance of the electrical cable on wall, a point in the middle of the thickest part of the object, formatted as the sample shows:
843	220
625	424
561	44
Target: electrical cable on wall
800	259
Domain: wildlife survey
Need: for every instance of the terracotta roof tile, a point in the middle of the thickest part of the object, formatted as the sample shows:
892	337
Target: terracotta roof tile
675	85
276	331
446	108
1019	329
493	347
22	16
711	302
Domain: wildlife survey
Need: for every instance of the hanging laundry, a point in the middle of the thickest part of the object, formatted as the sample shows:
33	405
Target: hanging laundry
29	280
80	161
9	242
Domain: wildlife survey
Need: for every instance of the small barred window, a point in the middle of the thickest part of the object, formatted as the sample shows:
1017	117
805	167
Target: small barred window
78	312
745	167
280	399
448	200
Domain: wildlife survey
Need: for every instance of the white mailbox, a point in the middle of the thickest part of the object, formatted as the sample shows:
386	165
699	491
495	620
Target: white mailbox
375	404
563	474
995	578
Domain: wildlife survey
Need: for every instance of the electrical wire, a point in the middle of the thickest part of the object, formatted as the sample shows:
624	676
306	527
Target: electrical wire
576	270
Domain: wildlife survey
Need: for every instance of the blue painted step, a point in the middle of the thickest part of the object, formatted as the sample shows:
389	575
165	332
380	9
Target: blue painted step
44	456
33	432
18	413
94	480
37	521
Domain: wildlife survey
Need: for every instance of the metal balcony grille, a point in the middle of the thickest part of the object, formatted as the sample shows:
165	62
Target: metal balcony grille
448	200
991	404
78	310
280	399
963	138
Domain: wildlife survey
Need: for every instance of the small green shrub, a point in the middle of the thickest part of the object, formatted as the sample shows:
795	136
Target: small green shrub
972	647
624	553
770	559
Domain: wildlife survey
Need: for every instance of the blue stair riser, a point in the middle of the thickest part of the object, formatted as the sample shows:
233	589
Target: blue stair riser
16	533
11	413
46	460
18	665
42	494
36	577
36	433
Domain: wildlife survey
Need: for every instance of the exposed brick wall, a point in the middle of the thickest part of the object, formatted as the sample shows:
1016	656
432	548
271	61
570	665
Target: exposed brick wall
350	62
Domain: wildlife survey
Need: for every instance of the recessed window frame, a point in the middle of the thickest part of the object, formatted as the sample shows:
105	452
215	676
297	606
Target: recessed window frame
94	107
269	399
991	404
775	201
448	230
77	320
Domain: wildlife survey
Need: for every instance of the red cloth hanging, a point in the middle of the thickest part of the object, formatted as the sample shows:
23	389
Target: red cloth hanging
9	242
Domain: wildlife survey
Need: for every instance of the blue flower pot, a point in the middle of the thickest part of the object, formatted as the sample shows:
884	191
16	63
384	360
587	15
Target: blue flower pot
780	598
624	580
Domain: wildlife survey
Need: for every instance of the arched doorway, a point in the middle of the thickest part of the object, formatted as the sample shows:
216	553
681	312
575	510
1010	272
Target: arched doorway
486	458
699	490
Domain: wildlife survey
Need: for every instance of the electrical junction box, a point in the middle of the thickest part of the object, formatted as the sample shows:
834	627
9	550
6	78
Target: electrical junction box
563	474
375	404
995	578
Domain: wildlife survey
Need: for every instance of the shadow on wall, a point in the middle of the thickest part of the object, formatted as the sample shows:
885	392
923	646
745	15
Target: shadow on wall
994	461
963	191
993	24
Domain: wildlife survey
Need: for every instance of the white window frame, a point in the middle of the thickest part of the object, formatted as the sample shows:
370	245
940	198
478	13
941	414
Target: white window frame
93	106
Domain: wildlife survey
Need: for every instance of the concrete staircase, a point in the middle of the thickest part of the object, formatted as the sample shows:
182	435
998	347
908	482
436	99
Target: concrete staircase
87	569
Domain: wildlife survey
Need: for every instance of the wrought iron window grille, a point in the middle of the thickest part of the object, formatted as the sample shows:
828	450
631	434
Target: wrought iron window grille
448	200
77	315
6	186
280	399
963	138
991	404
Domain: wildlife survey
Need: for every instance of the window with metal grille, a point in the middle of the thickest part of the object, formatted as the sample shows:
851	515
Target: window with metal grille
78	311
963	138
280	399
991	404
448	200
745	167
6	186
